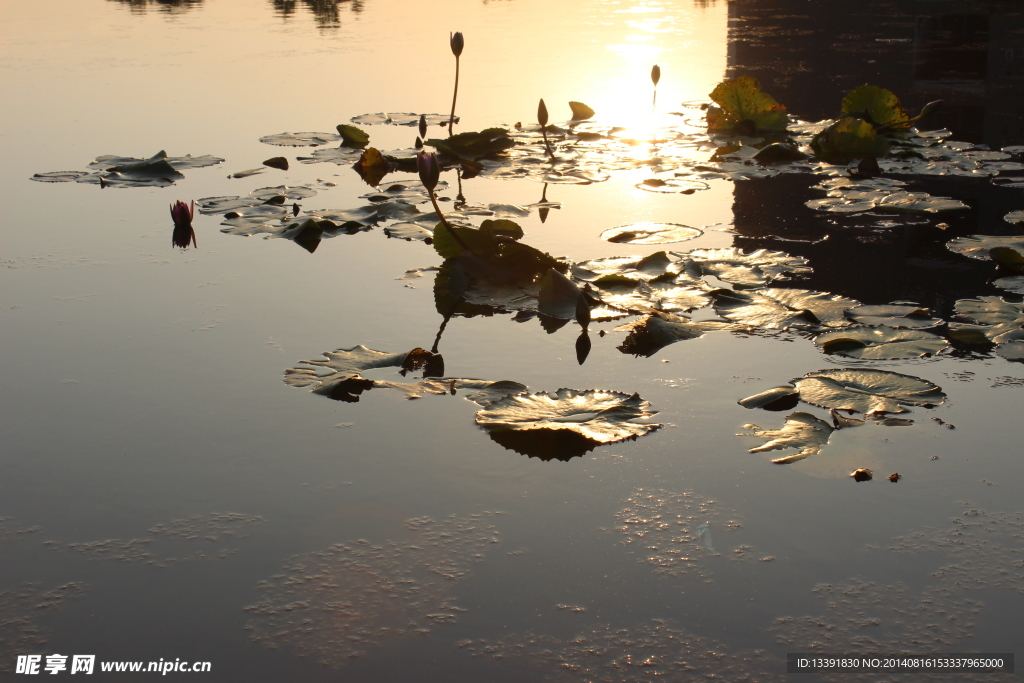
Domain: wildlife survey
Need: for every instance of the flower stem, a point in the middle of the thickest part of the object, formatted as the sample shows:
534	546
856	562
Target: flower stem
455	95
448	225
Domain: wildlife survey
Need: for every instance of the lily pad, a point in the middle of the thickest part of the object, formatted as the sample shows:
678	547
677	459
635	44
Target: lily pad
780	309
782	397
400	119
673	185
893	315
59	176
979	246
847	139
992	318
600	416
300	139
658	330
881	343
741	269
1014	217
802	431
867	391
651	233
1014	283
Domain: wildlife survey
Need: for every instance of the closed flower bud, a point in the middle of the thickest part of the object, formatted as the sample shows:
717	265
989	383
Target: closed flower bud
457	42
429	169
656	74
542	114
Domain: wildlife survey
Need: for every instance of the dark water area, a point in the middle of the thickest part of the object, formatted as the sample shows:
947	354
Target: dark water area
179	485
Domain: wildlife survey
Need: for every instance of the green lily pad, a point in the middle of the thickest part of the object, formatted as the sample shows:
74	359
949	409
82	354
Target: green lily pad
867	391
979	246
780	309
802	431
745	109
893	315
600	416
881	343
651	233
300	139
877	106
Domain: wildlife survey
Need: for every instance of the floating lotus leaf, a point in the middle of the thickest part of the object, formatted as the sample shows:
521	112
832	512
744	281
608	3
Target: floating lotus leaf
880	343
246	173
473	145
352	136
559	296
782	397
1014	217
408	231
634	268
400	119
300	139
601	416
919	201
867	391
133	166
995	320
893	316
159	170
780	309
342	156
978	246
801	431
658	330
741	269
745	108
672	185
877	106
1013	284
1013	349
651	233
59	176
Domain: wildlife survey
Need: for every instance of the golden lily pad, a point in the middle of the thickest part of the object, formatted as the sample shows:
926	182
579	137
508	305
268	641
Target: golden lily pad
881	343
867	391
651	233
802	431
600	416
780	309
979	246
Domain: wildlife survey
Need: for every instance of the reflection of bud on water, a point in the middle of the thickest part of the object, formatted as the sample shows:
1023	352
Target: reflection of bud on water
183	233
704	536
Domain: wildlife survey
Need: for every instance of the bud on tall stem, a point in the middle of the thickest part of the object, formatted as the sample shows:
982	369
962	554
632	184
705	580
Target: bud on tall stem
457	43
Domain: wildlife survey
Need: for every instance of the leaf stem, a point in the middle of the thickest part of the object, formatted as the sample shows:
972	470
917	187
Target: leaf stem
433	200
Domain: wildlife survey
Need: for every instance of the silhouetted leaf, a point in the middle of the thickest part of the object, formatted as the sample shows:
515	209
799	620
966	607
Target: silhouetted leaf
580	111
352	136
558	296
658	330
782	397
877	106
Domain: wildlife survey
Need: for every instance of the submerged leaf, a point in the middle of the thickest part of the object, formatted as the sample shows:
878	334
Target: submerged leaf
802	431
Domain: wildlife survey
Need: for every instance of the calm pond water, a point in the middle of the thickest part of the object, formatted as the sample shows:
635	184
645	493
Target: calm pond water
167	496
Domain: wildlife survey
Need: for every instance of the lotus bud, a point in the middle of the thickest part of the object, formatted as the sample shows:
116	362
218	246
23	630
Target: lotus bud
542	114
429	170
656	74
423	126
181	214
930	108
457	42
